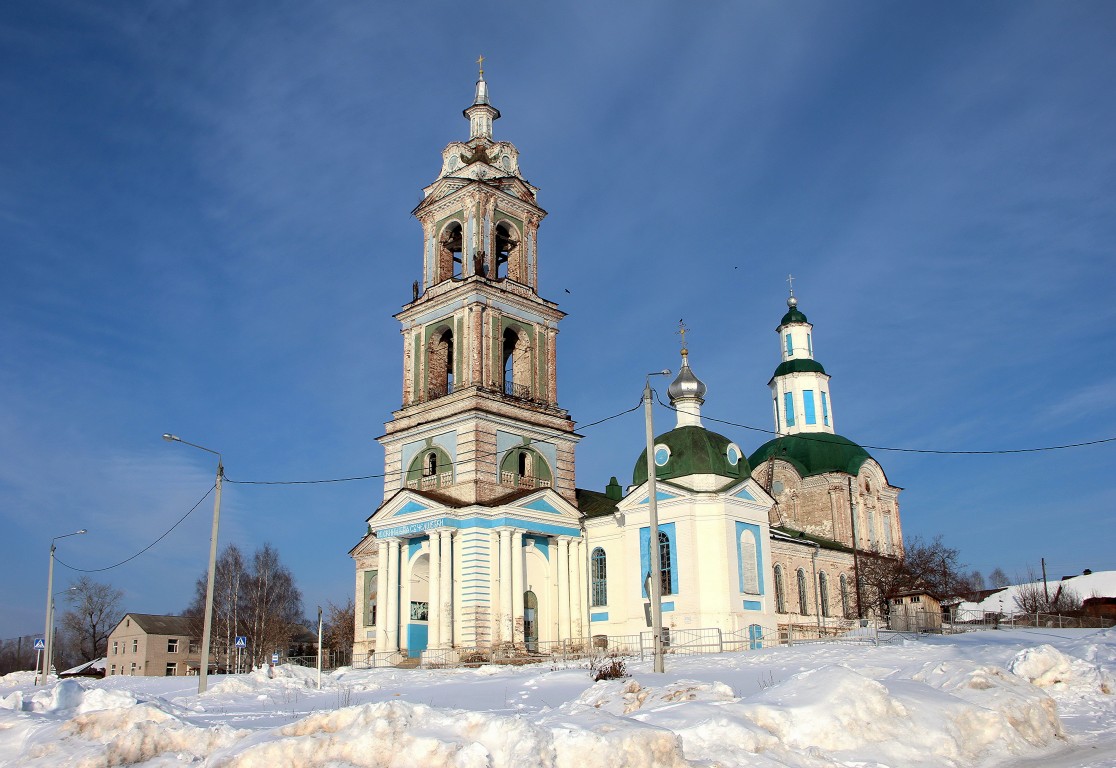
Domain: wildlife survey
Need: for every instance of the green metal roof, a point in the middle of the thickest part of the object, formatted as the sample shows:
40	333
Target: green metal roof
792	316
801	365
809	538
594	503
813	453
693	451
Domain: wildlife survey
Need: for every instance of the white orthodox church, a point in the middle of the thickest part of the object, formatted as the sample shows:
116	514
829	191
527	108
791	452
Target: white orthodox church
482	538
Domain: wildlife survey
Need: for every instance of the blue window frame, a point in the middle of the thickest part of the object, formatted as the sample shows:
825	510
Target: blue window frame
789	344
808	406
667	570
788	408
825	408
809	345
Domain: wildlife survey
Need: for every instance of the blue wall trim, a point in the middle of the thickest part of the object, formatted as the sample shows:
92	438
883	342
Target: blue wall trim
753	605
542	505
788	408
414	545
743	494
659	496
603	616
420	528
755	529
668	606
411	506
808	406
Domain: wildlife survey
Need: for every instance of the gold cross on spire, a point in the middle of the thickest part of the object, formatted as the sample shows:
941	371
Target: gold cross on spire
682	332
480	66
790	279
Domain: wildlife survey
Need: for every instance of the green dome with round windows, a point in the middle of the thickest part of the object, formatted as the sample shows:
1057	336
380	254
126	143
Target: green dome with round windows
692	450
813	453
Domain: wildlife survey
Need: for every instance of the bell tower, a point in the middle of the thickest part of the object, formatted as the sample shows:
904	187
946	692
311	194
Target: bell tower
800	386
480	416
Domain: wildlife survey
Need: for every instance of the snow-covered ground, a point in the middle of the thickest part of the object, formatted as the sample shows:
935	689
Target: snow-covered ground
995	698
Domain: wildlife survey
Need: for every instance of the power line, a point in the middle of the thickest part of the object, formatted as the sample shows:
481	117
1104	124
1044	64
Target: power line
1004	451
149	546
380	475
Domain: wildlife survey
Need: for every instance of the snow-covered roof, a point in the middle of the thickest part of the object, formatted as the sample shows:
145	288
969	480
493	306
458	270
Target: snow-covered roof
1096	584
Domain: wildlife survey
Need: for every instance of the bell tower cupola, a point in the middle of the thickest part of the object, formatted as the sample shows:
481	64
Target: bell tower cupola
800	385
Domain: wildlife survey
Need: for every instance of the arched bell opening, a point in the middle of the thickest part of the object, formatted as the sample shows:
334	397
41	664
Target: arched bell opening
449	252
440	365
516	365
508	262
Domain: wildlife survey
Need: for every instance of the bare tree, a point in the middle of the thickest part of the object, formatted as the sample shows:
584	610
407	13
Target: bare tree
929	565
94	613
1036	597
976	581
341	623
256	598
228	576
998	579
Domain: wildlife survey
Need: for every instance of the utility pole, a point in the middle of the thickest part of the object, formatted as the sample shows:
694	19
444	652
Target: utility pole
1045	586
856	555
655	591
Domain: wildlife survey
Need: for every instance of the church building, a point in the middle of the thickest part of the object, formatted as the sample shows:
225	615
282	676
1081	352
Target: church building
482	539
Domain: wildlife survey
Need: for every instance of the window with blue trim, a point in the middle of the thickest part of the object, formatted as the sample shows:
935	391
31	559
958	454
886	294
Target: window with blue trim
665	566
598	574
825	408
780	592
809	345
748	562
788	408
808	406
789	345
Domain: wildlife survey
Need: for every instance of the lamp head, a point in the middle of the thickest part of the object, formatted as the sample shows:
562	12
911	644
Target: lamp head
169	437
81	531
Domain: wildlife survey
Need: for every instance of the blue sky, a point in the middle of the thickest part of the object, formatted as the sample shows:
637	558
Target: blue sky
205	229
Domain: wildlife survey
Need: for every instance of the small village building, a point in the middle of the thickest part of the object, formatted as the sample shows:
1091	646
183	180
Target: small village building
152	645
914	610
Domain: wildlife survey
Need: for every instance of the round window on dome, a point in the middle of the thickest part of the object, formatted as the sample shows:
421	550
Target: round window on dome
733	454
662	455
777	487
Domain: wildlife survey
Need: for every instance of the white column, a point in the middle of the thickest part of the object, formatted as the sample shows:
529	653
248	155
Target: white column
577	592
434	594
448	607
381	595
564	631
505	586
517	585
392	603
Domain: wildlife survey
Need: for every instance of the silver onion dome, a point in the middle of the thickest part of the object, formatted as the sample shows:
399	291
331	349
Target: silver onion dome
686	384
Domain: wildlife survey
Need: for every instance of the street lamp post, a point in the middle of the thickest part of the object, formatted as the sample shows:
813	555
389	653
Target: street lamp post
48	633
654	567
207	626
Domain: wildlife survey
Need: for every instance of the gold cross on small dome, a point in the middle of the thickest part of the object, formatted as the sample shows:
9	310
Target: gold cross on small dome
480	65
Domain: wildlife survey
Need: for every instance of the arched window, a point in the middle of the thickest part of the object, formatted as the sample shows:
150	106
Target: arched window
525	464
517	365
598	574
748	563
430	464
803	606
872	541
889	542
440	365
823	590
665	563
449	252
780	591
845	597
506	253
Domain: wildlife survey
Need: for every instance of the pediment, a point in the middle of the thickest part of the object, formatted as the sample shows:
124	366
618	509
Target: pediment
548	502
405	504
751	491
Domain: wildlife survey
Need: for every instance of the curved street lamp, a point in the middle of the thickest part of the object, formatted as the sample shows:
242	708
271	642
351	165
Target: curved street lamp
207	626
48	632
